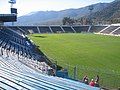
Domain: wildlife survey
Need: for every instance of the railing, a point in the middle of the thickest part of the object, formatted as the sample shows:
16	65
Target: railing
108	79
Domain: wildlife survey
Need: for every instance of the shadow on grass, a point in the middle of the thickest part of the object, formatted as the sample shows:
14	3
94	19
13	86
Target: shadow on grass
41	36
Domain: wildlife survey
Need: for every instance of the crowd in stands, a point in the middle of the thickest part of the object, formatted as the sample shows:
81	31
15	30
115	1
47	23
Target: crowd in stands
93	82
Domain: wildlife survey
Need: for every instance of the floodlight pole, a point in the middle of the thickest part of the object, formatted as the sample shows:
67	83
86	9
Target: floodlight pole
12	2
11	6
11	13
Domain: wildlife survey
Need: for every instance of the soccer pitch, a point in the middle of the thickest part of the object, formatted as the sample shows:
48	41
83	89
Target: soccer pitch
94	51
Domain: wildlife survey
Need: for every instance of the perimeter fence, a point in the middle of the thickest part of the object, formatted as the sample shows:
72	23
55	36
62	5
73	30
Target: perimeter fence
109	79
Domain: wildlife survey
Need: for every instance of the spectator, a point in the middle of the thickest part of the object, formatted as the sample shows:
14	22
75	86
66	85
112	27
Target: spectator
97	84
51	72
97	79
85	80
54	72
46	69
92	83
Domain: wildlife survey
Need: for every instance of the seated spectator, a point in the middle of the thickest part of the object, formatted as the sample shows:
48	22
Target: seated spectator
92	83
85	80
97	79
97	84
51	72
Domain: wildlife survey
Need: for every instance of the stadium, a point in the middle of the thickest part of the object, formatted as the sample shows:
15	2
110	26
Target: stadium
57	57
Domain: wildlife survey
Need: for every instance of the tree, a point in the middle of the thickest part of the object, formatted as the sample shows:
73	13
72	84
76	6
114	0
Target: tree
68	21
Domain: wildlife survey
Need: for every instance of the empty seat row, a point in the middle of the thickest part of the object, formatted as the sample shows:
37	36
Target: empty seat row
64	29
109	29
16	43
15	79
97	29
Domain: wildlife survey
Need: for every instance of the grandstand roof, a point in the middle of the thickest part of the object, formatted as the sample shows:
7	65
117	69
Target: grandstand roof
8	17
117	24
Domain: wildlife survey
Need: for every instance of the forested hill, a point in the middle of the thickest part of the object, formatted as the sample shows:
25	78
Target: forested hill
105	13
110	13
55	17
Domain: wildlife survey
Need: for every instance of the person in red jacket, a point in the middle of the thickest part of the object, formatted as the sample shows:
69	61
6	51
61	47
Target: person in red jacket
92	83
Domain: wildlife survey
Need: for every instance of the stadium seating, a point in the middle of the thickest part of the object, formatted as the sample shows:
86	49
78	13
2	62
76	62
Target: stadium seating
68	29
102	29
26	78
44	29
21	67
96	29
15	28
56	29
80	29
117	32
11	79
29	29
109	30
17	43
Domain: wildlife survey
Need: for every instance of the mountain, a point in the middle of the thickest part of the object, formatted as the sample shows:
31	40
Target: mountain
55	17
110	14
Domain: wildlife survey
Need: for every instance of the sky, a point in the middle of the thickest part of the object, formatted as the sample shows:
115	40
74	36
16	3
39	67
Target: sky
28	6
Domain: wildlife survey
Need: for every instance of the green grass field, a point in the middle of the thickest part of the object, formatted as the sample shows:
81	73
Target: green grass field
89	50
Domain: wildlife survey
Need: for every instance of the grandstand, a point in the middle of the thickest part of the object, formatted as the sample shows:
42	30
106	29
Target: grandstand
20	56
109	29
97	29
44	29
22	67
29	29
68	29
117	31
57	29
80	29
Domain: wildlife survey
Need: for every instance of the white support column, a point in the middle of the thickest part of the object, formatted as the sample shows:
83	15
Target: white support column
104	29
73	29
38	29
89	28
50	29
115	30
62	29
